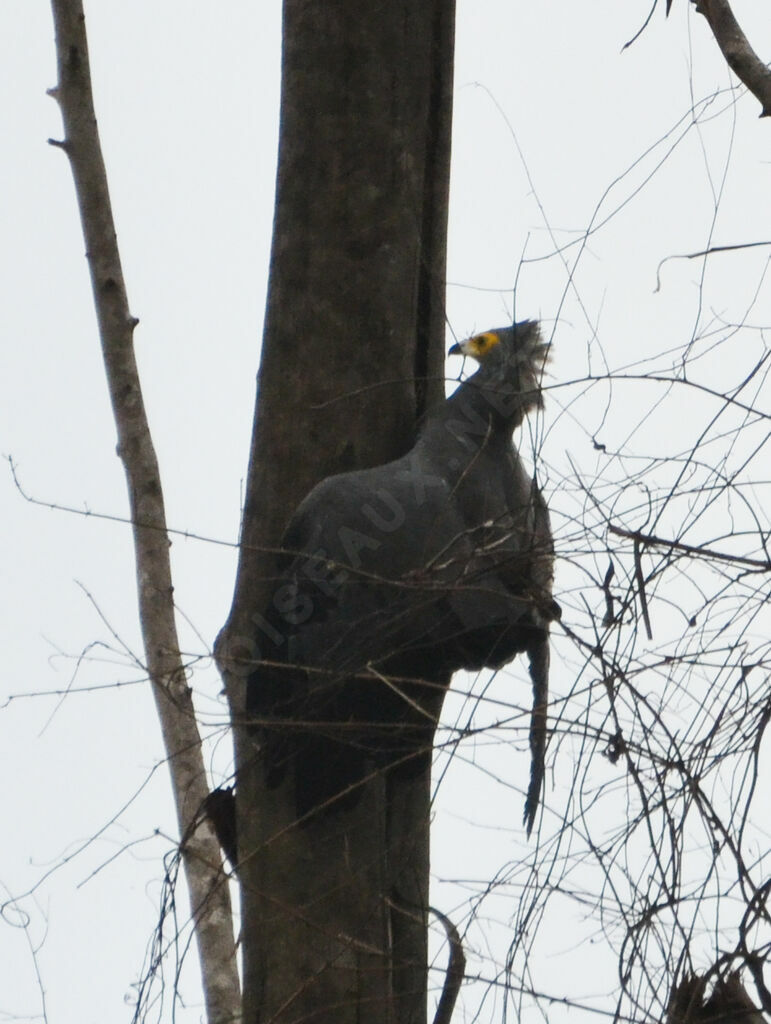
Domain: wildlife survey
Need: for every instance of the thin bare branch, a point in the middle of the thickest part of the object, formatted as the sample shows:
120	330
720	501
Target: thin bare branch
209	898
703	252
691	549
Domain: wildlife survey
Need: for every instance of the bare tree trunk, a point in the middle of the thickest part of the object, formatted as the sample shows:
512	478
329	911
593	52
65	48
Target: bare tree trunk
209	896
353	353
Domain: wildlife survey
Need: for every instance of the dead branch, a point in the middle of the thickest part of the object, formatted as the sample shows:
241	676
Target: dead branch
456	963
456	969
209	898
736	49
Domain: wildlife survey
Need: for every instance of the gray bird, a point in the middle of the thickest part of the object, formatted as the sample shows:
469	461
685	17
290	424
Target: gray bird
397	576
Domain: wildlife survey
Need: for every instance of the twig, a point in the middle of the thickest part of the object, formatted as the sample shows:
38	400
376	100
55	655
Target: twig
703	252
638	573
690	549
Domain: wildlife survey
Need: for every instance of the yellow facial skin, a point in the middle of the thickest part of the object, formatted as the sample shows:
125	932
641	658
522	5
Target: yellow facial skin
478	346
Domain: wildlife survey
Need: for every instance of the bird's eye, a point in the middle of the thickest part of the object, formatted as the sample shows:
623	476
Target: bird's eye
486	341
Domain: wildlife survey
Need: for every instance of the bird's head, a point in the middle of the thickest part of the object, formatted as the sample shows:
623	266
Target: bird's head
511	359
504	344
480	345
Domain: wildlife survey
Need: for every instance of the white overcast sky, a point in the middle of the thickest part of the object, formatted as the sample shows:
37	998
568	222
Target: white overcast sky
550	114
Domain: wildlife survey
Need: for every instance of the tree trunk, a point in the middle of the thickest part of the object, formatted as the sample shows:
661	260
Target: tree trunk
353	353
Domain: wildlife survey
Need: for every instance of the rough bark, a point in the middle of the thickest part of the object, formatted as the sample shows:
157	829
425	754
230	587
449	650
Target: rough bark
353	352
209	897
736	49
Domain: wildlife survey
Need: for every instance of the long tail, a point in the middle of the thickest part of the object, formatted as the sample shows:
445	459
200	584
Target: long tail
538	654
